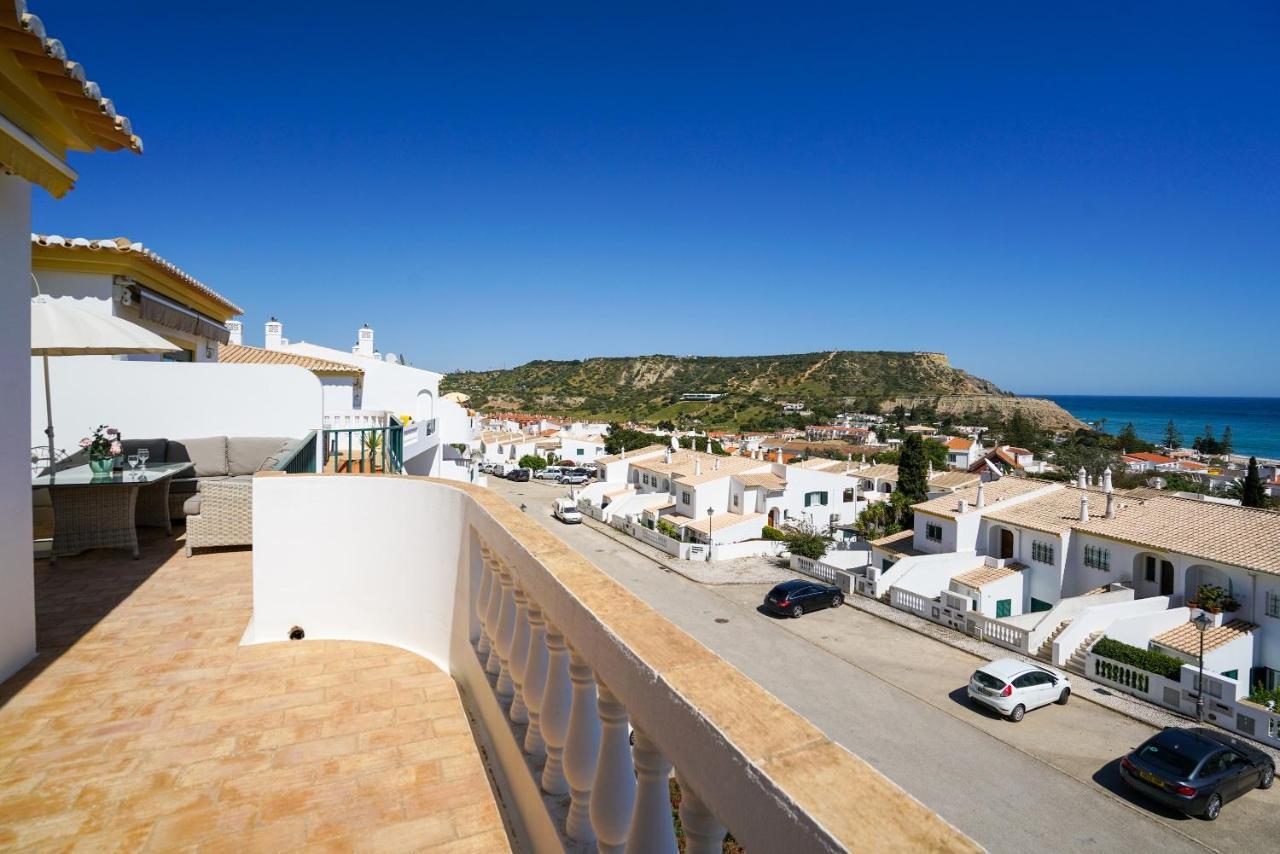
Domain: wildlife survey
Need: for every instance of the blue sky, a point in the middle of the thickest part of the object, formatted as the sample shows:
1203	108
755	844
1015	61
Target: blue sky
1064	199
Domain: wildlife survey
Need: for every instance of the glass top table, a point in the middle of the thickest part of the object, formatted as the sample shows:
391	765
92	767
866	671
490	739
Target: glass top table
83	476
104	510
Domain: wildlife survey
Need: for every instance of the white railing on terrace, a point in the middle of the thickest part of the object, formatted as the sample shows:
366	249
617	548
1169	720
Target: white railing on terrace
354	419
1010	637
908	601
558	662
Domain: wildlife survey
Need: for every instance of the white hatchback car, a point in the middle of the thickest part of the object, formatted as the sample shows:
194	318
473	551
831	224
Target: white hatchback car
1013	687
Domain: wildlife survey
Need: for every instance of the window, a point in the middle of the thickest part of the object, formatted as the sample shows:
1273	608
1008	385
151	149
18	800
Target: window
1096	557
580	452
812	498
1004	608
1231	674
178	356
735	500
685	498
1273	604
1151	568
933	532
645	479
885	563
848	496
1041	552
1038	605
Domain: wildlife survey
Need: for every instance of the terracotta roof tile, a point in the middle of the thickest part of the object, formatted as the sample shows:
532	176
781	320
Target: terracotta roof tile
1185	638
241	354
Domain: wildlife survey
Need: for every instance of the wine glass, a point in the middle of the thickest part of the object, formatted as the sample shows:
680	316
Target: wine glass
132	459
143	455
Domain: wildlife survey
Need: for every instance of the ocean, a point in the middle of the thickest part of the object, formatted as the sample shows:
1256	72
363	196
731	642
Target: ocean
1254	421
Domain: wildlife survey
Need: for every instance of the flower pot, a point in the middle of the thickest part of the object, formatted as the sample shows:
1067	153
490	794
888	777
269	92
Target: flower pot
101	465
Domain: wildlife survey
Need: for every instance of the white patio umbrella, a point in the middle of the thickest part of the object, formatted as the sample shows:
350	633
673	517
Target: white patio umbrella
58	329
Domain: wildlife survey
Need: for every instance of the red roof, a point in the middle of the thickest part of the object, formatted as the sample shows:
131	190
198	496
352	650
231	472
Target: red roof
959	444
1147	457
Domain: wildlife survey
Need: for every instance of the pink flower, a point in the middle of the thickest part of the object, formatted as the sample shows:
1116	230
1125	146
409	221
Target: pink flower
112	432
84	443
116	449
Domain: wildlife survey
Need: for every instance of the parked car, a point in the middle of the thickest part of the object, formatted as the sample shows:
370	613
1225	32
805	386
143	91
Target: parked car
572	478
567	512
1196	770
1013	687
795	598
548	473
519	475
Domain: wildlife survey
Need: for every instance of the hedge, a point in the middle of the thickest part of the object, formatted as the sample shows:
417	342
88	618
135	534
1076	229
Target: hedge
1143	659
771	533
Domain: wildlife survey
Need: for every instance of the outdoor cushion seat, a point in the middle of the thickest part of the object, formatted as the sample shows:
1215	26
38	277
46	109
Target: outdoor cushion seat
208	454
247	454
191	506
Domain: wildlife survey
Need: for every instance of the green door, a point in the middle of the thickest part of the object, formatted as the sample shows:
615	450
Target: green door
1037	605
1004	607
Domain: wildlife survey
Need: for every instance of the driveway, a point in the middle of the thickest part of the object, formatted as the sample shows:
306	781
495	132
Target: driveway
896	698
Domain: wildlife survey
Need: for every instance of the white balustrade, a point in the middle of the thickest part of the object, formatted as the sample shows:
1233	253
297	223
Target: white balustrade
519	657
482	603
492	664
614	789
506	634
581	749
703	832
553	719
651	828
534	681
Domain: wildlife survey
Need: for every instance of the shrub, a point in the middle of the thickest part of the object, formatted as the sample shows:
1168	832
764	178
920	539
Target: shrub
771	533
1261	694
806	541
532	462
667	529
1143	659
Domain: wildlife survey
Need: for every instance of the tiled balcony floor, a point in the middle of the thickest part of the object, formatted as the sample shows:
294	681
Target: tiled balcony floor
144	725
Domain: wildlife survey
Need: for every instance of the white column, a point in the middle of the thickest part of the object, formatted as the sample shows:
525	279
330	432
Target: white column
502	641
614	789
494	618
703	832
557	700
519	657
535	681
482	603
581	749
651	827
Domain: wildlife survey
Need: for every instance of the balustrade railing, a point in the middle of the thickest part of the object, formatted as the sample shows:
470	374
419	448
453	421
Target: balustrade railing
364	450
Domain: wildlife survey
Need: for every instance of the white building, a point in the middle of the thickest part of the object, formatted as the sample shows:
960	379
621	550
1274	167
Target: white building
963	452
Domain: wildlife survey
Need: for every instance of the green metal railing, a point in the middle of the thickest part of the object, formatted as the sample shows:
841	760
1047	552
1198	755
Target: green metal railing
303	458
365	449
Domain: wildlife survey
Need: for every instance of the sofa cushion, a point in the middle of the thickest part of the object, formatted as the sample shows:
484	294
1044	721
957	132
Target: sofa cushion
281	454
208	454
245	454
157	448
191	507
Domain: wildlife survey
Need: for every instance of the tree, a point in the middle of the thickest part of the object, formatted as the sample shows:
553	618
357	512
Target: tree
1172	438
1129	437
807	541
666	424
913	470
1224	447
532	462
1252	494
1020	432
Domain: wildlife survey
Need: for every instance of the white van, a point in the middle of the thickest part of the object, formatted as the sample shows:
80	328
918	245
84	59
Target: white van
567	511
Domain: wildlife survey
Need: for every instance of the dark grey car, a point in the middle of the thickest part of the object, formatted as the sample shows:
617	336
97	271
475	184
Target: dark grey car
1196	770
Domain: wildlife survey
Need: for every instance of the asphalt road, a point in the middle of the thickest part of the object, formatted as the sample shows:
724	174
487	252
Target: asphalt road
896	698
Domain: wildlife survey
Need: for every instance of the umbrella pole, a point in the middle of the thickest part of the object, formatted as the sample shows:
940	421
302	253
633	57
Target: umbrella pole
48	410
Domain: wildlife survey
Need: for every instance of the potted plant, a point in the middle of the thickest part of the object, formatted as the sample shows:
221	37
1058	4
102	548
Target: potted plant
372	443
104	449
1214	600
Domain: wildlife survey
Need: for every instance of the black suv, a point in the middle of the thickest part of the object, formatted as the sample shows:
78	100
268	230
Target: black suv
793	598
518	474
1196	770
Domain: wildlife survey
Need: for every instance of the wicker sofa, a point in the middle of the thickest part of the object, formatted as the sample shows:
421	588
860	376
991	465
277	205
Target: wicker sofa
215	495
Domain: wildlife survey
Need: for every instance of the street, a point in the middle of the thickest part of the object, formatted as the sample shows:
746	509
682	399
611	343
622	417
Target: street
896	698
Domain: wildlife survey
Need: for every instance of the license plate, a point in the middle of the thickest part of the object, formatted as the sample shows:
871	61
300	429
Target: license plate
1151	778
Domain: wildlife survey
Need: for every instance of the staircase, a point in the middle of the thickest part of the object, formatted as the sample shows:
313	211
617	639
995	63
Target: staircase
1045	652
1076	662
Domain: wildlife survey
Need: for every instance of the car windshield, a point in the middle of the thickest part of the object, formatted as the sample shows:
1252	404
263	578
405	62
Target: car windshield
1161	757
986	680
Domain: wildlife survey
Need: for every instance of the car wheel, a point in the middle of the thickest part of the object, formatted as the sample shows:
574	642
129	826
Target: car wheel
797	611
1064	696
1018	713
837	600
1212	807
1268	777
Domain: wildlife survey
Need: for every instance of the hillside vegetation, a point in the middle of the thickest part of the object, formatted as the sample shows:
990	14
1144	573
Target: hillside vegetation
648	388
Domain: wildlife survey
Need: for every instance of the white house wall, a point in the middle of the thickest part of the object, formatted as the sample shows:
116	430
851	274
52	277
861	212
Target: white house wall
17	595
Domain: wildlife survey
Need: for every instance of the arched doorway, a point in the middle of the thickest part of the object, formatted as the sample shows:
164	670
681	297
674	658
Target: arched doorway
1000	543
1153	574
886	487
426	405
774	515
1201	575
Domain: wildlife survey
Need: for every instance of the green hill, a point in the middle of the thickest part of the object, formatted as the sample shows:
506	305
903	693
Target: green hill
649	388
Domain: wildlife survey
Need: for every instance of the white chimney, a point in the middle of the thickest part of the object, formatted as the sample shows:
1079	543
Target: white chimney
715	464
1106	479
1091	480
1084	507
624	452
364	341
274	331
697	466
236	330
675	444
667	457
982	495
1080	476
1111	504
964	506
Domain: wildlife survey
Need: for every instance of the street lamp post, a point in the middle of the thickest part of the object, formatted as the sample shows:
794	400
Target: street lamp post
1202	621
710	539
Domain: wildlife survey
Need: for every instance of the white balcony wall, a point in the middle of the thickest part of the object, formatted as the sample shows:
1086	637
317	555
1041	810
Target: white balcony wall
17	595
1100	618
926	575
173	400
1138	631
